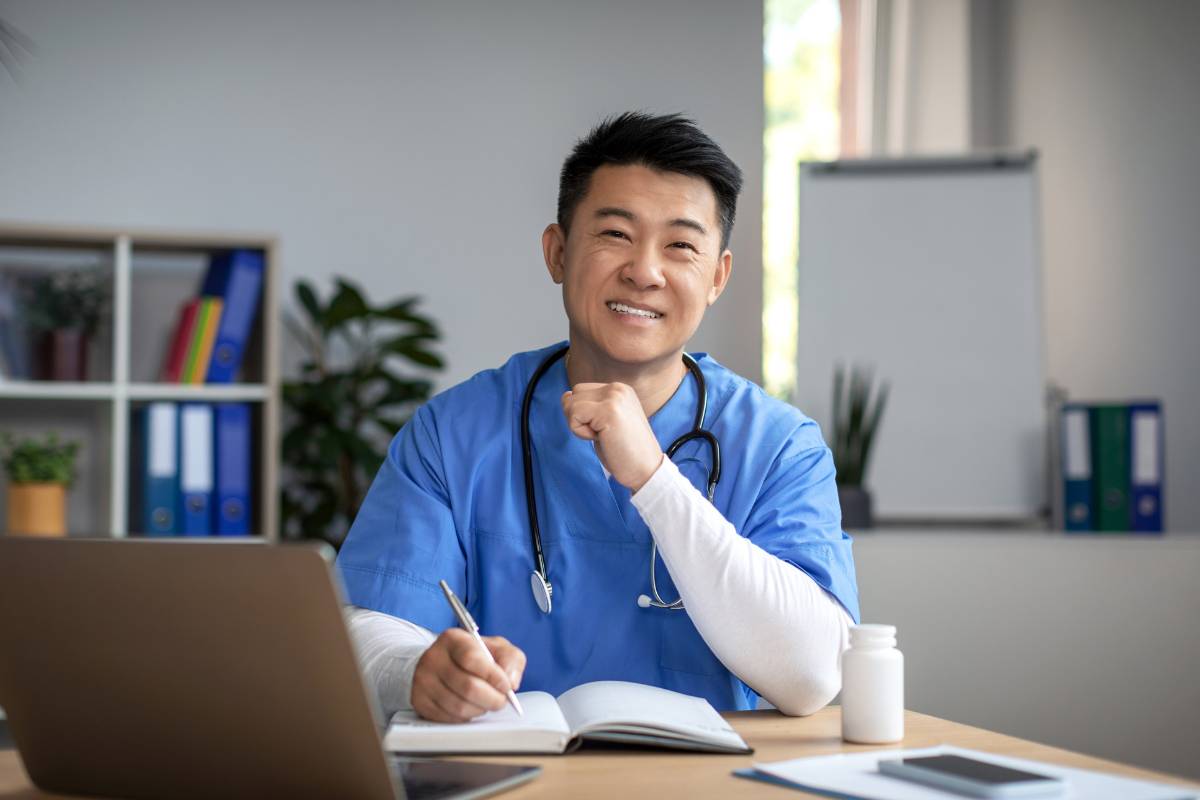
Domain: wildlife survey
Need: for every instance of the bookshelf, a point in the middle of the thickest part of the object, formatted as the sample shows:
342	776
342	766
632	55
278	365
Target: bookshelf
152	273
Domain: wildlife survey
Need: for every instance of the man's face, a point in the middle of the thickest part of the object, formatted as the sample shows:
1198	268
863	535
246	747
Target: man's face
641	264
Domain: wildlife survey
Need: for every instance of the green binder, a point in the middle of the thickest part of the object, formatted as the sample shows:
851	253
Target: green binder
1110	467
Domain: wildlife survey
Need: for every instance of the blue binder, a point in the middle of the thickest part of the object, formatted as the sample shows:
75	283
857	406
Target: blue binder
1146	466
160	484
195	469
236	277
232	509
1076	468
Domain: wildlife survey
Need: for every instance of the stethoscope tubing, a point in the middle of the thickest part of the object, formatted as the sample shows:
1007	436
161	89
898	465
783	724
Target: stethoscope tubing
535	534
544	592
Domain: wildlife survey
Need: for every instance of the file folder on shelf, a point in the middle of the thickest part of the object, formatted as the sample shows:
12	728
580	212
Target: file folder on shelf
204	335
196	469
1146	467
177	354
1076	468
232	480
1110	467
160	488
236	277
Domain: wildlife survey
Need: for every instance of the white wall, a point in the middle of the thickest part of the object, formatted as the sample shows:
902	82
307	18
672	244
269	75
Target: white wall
413	146
924	77
1107	91
1083	642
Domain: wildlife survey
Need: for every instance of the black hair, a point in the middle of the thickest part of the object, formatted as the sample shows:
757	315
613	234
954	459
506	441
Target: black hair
670	143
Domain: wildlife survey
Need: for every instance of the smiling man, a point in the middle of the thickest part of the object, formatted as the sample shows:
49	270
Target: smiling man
543	493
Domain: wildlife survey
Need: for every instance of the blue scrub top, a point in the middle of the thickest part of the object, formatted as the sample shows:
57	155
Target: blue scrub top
449	502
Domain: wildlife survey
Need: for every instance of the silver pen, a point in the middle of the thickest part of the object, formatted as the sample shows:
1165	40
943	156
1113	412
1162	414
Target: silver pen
468	624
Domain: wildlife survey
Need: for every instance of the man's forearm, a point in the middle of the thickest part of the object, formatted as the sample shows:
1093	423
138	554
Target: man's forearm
768	622
388	650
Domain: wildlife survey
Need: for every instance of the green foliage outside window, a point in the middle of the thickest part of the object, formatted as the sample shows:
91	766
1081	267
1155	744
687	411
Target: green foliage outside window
801	57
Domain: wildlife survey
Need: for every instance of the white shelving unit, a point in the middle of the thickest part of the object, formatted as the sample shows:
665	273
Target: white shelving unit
129	253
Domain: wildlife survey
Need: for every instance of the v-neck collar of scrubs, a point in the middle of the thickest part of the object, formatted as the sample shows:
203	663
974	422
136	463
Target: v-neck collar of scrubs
601	507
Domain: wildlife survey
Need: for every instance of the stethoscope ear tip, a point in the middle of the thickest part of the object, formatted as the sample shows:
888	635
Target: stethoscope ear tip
643	601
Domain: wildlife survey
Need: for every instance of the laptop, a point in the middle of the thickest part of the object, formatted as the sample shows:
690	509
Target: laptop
197	669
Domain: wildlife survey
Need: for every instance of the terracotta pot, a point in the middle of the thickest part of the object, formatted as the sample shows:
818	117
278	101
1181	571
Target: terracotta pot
37	509
62	355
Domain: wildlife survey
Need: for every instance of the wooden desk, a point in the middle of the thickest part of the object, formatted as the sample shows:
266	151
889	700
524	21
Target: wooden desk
654	773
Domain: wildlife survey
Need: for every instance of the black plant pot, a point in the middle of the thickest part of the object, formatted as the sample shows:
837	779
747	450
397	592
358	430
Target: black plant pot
856	507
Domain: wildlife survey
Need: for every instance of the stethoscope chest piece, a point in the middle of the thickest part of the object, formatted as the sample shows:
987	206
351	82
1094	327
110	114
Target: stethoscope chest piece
541	591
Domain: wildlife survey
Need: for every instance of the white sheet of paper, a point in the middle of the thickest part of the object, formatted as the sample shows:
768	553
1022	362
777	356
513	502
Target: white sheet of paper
857	775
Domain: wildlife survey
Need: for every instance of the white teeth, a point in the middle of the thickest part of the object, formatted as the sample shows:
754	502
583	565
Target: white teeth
620	308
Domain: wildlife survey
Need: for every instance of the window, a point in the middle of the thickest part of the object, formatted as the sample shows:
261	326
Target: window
801	53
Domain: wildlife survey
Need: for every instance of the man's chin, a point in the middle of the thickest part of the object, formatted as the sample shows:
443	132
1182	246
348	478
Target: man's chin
634	355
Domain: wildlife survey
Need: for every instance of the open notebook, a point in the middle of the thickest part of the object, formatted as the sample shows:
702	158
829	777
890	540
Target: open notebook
611	711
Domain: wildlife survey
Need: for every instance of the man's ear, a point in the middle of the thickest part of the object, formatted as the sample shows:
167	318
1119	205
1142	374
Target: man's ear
721	276
554	249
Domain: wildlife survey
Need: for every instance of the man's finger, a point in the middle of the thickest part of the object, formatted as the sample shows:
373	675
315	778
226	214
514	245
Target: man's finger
454	705
510	658
433	700
474	691
592	413
469	657
588	388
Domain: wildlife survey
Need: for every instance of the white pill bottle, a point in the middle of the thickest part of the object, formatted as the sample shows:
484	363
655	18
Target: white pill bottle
872	686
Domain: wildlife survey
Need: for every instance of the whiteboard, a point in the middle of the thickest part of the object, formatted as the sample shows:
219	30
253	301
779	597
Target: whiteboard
928	272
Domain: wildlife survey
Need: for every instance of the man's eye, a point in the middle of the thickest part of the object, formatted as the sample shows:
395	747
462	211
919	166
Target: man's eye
688	245
615	234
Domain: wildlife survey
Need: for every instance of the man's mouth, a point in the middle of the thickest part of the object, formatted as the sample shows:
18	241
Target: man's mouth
622	308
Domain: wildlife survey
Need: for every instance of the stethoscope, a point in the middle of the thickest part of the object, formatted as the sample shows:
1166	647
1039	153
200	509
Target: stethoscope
539	581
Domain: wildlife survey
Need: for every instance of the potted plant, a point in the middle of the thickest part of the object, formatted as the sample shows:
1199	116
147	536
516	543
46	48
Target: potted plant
857	409
39	472
65	309
348	402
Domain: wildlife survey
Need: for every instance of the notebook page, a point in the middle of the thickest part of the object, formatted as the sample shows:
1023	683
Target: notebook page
637	708
542	730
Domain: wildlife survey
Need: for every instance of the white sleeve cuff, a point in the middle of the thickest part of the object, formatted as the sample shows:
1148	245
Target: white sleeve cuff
662	484
388	650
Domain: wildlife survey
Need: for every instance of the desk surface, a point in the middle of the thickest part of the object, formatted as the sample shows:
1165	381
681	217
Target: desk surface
655	773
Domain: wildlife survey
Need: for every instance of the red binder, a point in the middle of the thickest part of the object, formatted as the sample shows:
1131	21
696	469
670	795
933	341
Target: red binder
179	344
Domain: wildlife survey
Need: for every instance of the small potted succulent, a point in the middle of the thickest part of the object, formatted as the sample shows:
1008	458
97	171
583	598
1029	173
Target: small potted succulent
857	409
39	472
65	310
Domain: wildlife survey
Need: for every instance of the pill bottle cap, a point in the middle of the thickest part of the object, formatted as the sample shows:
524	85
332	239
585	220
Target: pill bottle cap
872	635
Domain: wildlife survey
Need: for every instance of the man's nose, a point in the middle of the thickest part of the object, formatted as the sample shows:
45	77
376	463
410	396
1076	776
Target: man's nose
645	269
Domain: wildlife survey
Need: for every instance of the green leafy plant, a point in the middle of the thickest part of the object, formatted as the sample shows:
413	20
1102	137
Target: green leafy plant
856	415
32	460
67	299
349	401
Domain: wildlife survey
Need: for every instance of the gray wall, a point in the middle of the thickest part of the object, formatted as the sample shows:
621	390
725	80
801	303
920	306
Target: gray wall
1107	91
1084	642
413	146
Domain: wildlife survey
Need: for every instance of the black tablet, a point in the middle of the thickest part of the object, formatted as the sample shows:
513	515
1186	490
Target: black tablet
432	779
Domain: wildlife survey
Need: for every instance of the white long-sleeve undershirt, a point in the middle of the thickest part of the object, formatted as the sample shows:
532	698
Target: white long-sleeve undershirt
766	620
